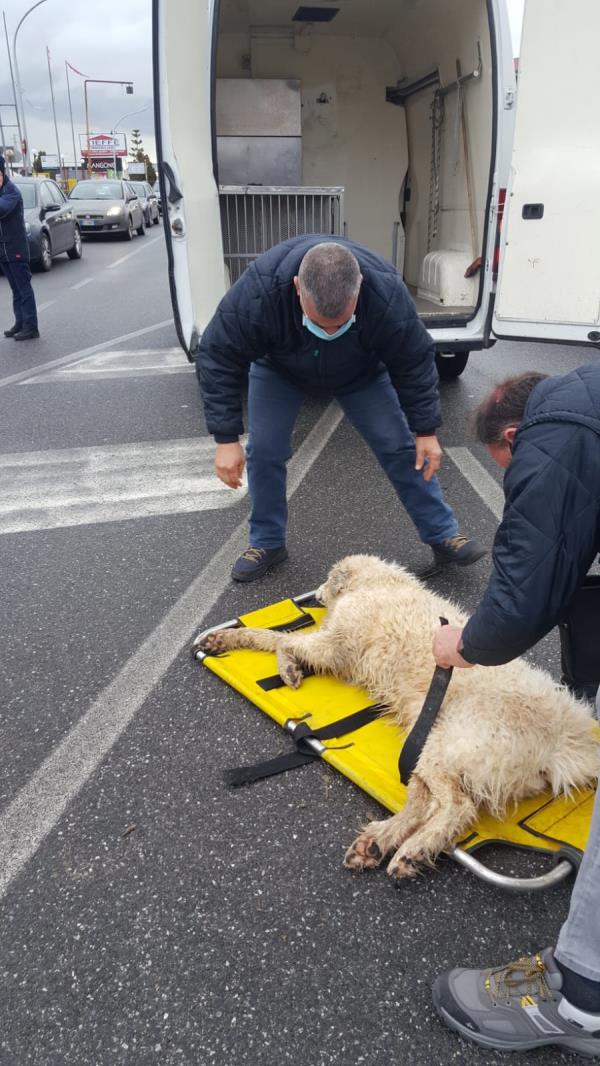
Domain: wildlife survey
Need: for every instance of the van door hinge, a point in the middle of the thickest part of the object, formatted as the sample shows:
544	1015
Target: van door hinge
509	99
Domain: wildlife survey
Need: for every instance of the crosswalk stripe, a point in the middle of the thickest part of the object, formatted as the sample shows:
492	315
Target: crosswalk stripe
80	486
118	364
486	487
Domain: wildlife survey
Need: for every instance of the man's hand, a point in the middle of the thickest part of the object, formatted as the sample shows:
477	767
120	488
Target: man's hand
230	461
429	455
445	647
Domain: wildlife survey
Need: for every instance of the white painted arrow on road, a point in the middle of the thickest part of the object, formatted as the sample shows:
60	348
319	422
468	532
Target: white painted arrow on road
79	486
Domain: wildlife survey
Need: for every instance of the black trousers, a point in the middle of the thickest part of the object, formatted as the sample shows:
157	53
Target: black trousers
580	640
18	275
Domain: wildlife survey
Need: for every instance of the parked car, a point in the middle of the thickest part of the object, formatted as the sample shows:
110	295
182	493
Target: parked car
156	189
148	200
50	222
107	206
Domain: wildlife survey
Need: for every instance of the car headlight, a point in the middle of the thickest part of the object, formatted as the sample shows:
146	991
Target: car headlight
28	229
112	211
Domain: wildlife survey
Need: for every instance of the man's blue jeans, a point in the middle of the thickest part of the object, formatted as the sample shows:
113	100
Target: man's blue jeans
18	275
374	410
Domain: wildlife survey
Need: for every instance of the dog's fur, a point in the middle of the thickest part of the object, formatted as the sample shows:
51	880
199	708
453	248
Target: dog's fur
503	733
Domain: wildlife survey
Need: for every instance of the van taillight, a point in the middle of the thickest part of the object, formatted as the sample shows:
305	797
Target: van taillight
501	203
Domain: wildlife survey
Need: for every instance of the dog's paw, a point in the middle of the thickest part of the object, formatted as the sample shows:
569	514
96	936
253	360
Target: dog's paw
402	866
214	643
292	675
364	853
290	672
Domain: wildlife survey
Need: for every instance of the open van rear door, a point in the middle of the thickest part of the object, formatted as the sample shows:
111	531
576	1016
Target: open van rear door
182	59
549	282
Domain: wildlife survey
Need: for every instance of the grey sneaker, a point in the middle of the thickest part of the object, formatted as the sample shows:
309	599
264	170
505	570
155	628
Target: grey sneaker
255	562
459	549
515	1007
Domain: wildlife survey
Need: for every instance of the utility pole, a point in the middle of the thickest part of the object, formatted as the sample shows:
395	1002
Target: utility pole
70	115
54	109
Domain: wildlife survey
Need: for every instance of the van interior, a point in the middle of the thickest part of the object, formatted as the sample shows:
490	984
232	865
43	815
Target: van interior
373	120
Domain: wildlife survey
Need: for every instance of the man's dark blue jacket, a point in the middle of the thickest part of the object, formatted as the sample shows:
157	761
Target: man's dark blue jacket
260	320
550	529
14	247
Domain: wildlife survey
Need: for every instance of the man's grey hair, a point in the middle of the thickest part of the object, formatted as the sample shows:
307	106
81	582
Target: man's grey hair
329	273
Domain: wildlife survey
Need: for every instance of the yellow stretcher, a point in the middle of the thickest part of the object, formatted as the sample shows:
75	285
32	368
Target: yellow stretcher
544	823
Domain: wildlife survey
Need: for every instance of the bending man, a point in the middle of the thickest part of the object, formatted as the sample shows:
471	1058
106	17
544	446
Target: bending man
327	319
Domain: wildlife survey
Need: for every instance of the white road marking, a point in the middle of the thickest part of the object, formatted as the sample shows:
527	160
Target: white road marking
120	364
136	251
40	804
478	477
46	305
81	486
80	284
22	375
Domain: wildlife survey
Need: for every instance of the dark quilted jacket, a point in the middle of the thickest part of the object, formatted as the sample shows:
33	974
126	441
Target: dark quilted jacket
260	319
14	247
550	529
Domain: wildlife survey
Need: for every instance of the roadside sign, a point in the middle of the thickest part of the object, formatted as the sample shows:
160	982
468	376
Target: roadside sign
103	144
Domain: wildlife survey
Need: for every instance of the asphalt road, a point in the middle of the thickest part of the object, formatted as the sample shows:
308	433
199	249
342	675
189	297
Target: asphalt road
148	914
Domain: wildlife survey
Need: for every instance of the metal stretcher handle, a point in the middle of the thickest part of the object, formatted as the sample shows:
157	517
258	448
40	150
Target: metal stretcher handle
513	884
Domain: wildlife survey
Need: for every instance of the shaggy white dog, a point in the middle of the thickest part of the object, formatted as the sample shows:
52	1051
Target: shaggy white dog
503	733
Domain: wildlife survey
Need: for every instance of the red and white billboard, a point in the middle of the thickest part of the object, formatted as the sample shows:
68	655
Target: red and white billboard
103	145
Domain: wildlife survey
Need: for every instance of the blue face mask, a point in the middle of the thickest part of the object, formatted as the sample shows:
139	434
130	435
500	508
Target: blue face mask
321	334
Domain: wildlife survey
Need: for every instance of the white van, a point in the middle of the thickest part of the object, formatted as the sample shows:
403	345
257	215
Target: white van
391	122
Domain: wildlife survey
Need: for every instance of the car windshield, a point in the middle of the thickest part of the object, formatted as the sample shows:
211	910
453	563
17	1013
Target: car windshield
97	190
27	190
139	187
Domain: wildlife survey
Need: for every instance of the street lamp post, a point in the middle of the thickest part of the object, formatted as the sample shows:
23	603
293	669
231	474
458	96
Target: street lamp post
69	66
114	130
12	79
19	89
99	81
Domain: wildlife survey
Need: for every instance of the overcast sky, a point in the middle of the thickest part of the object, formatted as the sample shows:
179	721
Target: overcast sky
103	39
106	39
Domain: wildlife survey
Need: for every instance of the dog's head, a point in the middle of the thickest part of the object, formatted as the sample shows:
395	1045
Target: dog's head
358	572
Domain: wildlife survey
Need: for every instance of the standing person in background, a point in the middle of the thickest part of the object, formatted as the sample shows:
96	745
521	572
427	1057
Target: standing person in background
14	257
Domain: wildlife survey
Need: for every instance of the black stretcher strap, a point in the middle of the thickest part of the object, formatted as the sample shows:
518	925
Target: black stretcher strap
276	681
245	775
415	741
301	734
302	622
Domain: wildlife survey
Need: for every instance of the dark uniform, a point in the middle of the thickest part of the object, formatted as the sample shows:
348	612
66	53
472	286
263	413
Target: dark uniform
14	258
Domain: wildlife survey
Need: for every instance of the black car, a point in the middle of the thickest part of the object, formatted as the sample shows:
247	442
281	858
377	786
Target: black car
50	221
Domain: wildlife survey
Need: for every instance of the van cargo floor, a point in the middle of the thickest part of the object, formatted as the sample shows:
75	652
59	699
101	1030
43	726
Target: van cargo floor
428	310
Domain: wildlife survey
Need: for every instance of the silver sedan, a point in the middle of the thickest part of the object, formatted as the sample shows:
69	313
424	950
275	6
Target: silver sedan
107	206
